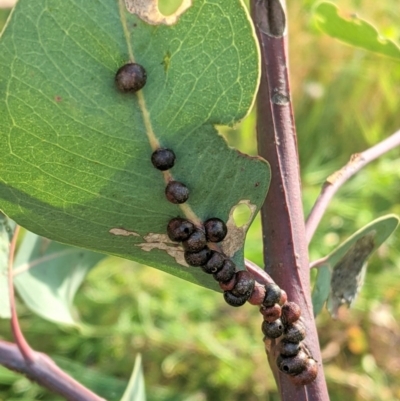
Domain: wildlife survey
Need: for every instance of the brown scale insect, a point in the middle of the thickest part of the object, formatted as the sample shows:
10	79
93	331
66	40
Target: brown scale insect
131	77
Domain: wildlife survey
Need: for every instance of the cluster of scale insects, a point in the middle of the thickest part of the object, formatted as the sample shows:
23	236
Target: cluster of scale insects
281	319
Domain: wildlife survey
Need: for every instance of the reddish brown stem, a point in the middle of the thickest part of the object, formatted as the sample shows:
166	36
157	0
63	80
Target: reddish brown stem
260	275
39	367
19	338
285	247
45	372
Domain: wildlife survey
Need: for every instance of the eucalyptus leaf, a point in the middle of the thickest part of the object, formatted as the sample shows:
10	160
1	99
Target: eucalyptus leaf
47	276
341	276
7	228
135	390
353	30
75	163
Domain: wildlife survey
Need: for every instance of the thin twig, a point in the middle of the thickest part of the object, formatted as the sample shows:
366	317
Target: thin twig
336	180
45	372
39	367
19	338
259	274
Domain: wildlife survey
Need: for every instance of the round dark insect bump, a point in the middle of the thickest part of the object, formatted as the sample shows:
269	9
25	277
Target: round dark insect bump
196	242
294	333
289	349
233	300
163	159
271	313
215	263
293	365
227	285
308	375
130	77
273	329
290	312
215	230
272	294
244	284
176	192
198	258
179	229
226	273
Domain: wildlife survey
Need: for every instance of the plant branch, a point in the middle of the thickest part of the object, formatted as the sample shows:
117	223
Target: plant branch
39	367
337	179
285	248
259	274
45	372
19	338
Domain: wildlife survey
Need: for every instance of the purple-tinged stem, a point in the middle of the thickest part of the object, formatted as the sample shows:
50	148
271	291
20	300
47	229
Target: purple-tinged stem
19	338
260	275
285	247
337	179
45	372
39	367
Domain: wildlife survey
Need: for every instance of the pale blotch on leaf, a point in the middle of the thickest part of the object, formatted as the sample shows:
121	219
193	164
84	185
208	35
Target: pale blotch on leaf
123	232
162	242
236	235
148	11
348	274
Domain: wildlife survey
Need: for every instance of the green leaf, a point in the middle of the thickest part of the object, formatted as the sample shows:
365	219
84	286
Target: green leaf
340	277
76	153
7	228
353	31
135	390
48	274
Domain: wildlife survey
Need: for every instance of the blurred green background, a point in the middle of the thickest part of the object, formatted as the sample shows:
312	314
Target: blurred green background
197	348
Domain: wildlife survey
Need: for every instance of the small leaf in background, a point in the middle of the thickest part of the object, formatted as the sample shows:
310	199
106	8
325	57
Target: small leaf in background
76	153
48	274
353	30
7	228
135	390
321	288
348	274
340	278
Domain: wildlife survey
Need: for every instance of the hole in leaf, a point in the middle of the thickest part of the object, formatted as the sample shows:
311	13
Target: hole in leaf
241	215
168	7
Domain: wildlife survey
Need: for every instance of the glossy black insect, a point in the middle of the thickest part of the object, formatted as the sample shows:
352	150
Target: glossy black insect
287	348
196	242
244	284
163	159
176	192
198	258
215	230
233	300
130	77
226	273
308	375
215	263
272	294
295	333
293	365
179	229
273	329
